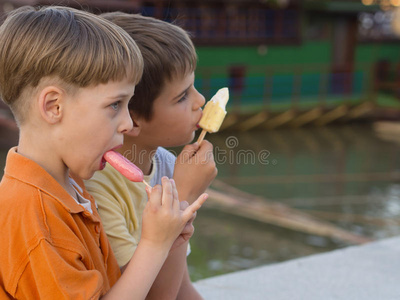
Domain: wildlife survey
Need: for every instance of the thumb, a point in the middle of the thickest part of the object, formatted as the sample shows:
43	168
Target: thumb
183	205
195	206
189	151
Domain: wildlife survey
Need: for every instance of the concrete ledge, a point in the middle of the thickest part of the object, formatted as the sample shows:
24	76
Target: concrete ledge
365	272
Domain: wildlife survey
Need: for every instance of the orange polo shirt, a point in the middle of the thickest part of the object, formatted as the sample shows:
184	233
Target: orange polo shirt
50	246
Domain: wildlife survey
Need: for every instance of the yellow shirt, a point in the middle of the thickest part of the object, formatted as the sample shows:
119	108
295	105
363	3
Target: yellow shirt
121	203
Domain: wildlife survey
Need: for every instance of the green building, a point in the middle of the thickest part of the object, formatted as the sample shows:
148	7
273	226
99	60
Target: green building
286	62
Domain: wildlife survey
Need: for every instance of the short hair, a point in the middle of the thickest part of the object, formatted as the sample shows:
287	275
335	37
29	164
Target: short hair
75	47
168	53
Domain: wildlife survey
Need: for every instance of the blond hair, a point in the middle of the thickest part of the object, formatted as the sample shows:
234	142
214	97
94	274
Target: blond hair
76	47
168	53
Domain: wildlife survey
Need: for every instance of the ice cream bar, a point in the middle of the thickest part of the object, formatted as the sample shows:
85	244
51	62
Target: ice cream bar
214	113
124	166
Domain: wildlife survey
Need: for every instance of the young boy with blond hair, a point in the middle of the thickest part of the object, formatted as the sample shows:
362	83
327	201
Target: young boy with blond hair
165	110
68	76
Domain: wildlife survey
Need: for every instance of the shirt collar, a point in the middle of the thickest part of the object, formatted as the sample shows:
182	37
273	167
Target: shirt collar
26	170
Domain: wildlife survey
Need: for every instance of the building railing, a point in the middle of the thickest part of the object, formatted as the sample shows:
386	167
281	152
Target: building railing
299	87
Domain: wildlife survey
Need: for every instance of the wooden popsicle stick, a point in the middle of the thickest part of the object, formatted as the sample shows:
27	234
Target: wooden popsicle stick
201	137
145	182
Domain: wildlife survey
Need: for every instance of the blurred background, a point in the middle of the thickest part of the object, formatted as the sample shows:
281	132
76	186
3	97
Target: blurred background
308	153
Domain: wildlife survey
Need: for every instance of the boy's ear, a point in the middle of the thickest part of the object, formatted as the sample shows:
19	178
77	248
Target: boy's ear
50	104
136	125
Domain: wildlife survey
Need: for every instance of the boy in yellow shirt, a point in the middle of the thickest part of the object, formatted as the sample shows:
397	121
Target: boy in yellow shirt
66	74
165	110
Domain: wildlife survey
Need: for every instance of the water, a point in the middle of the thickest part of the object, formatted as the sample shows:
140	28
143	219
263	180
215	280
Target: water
344	174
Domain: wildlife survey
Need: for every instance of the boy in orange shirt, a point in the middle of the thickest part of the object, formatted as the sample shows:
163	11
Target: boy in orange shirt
165	110
66	74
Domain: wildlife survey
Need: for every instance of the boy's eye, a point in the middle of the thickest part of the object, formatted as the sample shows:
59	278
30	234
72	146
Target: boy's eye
115	105
184	97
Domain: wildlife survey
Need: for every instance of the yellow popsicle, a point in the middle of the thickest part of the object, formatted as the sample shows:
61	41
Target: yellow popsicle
214	113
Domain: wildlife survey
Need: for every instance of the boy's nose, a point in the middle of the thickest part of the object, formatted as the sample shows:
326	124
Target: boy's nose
199	101
127	123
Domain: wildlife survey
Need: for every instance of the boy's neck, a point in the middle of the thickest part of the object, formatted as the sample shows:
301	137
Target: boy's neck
141	155
30	146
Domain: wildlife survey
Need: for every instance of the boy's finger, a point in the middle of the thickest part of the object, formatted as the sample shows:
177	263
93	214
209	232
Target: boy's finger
188	229
174	190
183	205
167	196
205	146
192	147
193	217
148	191
154	195
175	200
189	211
205	152
189	151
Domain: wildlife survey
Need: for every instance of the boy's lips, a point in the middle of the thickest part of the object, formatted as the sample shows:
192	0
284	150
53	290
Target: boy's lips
197	125
116	147
103	160
102	163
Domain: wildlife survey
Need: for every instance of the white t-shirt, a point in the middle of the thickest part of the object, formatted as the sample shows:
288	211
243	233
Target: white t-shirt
79	198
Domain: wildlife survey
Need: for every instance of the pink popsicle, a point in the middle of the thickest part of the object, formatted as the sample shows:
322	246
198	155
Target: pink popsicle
124	166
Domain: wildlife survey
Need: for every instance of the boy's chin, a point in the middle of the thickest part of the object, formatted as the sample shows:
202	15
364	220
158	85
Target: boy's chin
183	142
87	176
178	141
191	139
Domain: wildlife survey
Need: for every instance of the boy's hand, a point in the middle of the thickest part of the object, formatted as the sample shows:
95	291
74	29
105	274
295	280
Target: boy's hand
194	170
163	220
187	231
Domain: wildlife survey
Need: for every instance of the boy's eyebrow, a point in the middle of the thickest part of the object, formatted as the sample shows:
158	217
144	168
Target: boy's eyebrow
119	96
182	93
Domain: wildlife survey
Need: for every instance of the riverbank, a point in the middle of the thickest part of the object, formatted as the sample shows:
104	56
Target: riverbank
363	272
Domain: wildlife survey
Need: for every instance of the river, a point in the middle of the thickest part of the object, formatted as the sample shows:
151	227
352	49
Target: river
344	174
